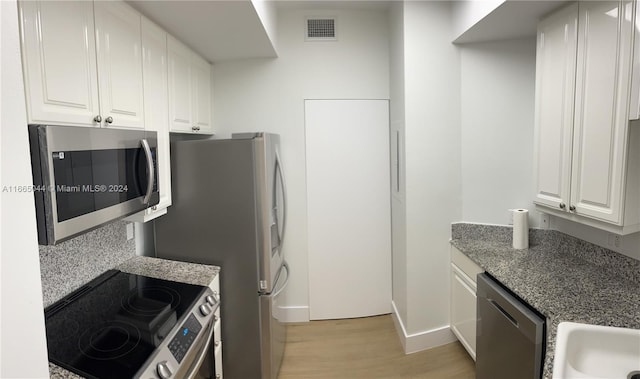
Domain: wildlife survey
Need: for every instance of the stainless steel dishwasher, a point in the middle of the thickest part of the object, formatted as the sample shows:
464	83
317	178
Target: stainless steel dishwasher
510	335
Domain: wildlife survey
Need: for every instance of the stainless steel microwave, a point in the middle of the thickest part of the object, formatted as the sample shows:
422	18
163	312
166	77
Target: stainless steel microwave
86	177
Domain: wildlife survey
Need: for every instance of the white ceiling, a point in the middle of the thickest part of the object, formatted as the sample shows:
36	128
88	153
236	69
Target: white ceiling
217	30
221	30
511	20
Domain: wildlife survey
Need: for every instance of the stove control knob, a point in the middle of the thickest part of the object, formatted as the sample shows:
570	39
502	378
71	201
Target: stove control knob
212	300
163	370
205	309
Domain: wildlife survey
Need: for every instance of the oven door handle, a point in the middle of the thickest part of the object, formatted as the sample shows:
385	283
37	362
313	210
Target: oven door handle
193	371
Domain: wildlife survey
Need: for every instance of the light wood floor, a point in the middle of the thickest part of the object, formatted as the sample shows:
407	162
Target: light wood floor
365	348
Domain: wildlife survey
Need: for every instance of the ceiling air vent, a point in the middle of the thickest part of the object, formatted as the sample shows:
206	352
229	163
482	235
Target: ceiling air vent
321	29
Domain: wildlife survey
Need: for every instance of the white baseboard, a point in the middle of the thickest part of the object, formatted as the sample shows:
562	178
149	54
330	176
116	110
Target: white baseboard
295	313
412	343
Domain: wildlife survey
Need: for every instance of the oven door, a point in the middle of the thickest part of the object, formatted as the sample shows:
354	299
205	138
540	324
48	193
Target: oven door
86	177
202	366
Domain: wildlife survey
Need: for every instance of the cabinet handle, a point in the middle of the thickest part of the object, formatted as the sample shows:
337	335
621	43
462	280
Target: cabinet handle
563	205
572	208
108	120
97	119
194	128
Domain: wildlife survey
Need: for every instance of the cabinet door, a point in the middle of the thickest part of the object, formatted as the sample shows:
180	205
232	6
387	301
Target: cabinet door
59	62
555	72
463	309
119	64
179	86
201	99
156	101
601	123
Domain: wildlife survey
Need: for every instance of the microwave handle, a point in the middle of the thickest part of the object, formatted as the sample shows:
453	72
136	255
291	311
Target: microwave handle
150	170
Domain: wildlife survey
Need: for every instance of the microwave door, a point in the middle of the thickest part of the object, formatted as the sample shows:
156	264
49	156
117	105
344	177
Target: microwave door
90	176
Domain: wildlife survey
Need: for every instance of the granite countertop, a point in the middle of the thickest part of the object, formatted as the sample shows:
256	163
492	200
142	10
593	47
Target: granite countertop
563	278
156	268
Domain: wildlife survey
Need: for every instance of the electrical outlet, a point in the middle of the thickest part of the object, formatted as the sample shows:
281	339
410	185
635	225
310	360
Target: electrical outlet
130	231
544	221
614	240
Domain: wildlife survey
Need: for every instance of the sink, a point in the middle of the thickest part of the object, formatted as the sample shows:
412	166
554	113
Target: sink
594	351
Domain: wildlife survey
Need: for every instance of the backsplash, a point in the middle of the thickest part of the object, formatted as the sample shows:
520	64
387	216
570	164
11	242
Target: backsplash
618	264
70	264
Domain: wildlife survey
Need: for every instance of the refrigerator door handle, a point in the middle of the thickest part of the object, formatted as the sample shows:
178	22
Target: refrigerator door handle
281	230
286	281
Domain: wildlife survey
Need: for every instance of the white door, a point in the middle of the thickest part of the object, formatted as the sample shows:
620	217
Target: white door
179	86
119	48
600	129
59	59
348	207
555	87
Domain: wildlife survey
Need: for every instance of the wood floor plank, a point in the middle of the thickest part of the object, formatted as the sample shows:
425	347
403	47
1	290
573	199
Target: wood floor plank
365	348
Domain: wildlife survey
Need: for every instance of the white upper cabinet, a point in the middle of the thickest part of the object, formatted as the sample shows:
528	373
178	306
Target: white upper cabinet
586	158
601	111
59	60
179	86
201	98
555	87
81	73
156	111
189	90
119	49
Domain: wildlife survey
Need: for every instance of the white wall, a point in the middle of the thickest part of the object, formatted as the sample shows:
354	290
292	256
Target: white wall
268	95
431	81
23	351
398	167
497	117
629	244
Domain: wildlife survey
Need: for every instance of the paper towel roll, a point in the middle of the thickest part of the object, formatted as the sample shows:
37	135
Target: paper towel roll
520	229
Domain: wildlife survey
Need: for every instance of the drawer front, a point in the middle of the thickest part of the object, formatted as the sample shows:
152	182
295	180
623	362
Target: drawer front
464	263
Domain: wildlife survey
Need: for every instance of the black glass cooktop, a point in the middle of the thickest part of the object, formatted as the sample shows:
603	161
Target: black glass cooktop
110	327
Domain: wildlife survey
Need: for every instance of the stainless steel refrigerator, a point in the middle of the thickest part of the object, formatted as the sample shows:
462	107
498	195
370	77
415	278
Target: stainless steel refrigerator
228	210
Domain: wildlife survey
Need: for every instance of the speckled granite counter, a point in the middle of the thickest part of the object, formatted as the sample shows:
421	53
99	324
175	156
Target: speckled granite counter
564	278
156	268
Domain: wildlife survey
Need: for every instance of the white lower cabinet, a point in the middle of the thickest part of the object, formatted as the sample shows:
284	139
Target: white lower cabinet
463	300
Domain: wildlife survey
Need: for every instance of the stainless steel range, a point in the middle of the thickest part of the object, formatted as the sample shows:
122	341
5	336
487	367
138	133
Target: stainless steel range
123	325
